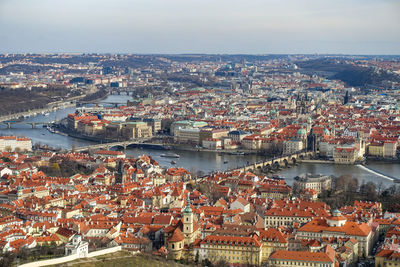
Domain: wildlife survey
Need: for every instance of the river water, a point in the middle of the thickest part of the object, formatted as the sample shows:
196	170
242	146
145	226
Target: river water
205	162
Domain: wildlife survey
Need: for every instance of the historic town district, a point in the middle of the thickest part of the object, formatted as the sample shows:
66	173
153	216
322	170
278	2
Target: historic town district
239	217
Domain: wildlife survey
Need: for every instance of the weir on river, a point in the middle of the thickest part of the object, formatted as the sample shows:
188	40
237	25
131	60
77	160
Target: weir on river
378	173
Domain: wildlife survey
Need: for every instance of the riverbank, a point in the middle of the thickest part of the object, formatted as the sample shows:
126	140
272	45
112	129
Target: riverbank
35	112
222	151
381	161
52	106
60	129
319	161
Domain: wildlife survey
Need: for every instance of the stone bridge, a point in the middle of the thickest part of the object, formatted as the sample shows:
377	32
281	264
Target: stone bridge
121	144
33	124
95	102
275	163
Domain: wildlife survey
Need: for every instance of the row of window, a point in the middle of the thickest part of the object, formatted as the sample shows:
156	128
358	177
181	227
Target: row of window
279	262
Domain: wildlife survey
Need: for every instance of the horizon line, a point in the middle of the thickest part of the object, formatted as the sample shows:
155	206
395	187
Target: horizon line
194	54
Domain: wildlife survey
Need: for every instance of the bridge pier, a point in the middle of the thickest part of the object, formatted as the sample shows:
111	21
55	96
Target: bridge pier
33	125
9	125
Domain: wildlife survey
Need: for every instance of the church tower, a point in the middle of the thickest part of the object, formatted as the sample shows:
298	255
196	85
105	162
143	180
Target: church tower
187	219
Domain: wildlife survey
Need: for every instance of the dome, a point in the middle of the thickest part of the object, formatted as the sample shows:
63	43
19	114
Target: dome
302	131
336	212
336	219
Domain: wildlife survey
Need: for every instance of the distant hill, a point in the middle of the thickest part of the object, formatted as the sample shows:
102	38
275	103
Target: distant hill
358	76
350	74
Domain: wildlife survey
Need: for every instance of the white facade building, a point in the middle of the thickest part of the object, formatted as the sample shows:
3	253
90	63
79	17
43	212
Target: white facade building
13	143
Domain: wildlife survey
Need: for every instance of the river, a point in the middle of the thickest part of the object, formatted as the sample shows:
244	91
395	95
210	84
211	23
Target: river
194	161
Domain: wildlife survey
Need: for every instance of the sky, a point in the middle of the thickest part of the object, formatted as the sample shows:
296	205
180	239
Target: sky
200	26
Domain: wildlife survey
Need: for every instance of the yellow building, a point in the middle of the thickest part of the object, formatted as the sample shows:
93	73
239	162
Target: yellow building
132	130
345	155
232	249
275	191
376	149
272	239
387	258
187	135
93	127
210	133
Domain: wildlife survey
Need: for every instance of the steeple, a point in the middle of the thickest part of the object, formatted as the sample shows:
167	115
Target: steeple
188	222
187	209
19	190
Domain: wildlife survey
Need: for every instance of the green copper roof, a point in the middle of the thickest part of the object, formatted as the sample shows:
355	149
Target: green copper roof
301	131
187	209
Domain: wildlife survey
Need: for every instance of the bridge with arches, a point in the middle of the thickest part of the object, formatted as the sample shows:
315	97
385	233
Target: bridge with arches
120	145
32	123
276	162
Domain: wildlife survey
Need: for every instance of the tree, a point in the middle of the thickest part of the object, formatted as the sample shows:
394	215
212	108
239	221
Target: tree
53	244
211	191
368	190
55	167
23	254
166	125
5	159
7	259
221	263
208	263
196	258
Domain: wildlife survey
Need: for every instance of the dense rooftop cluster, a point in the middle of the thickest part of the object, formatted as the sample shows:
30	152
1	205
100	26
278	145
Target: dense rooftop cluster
238	217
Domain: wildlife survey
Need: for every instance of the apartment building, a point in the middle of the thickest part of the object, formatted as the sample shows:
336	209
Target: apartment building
13	143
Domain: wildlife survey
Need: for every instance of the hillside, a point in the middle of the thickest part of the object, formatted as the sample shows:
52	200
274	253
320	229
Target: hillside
352	75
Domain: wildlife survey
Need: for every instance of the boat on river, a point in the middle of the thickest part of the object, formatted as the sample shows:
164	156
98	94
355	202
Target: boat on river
237	153
170	155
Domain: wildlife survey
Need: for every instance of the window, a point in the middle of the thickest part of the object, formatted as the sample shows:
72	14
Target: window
173	246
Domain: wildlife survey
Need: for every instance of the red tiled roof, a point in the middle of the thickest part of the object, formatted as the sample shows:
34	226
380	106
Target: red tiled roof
176	236
305	256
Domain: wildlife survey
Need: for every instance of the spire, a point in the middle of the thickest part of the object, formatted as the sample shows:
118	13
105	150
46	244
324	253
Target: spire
187	208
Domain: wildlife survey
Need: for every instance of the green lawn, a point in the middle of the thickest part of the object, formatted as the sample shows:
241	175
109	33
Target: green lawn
123	259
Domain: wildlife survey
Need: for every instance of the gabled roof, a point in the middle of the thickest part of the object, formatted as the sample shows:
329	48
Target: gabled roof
349	228
305	256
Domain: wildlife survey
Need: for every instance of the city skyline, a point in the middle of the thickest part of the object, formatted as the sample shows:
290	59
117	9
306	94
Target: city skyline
175	27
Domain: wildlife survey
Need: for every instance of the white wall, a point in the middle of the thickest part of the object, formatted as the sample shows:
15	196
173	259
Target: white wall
70	258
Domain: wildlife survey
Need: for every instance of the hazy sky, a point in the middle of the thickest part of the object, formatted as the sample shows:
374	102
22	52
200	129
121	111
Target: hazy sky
201	26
